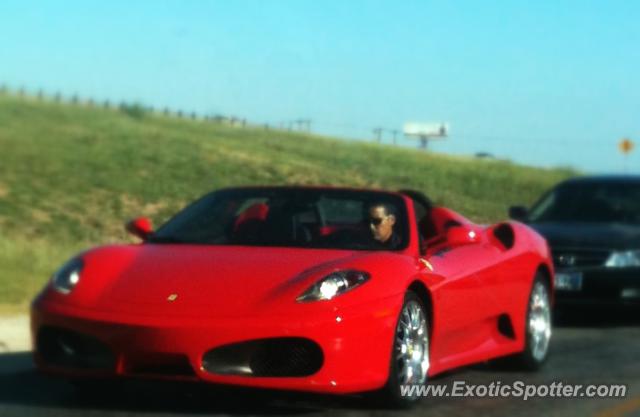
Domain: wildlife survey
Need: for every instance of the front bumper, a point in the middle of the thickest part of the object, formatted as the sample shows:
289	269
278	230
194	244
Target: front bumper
355	344
610	286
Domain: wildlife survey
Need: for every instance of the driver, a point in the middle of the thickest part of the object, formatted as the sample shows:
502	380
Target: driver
381	220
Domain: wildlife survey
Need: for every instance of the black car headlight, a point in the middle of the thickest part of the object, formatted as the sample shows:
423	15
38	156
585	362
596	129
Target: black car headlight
67	277
334	284
624	259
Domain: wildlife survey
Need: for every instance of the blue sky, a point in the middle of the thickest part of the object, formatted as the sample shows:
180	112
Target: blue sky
544	83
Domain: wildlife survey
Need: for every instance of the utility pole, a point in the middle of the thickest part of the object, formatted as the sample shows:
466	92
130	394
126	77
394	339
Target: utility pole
424	141
394	132
378	134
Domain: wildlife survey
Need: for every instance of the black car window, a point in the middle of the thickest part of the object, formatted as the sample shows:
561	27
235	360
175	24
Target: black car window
591	203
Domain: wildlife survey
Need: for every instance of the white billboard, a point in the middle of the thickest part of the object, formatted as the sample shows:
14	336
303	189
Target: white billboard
426	130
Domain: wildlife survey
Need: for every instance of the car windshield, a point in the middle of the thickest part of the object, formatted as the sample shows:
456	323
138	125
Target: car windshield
287	217
590	203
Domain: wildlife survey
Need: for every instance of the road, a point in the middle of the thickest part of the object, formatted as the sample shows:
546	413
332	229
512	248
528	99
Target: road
586	349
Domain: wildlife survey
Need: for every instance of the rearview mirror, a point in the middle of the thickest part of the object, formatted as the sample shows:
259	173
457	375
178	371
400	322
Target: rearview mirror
462	235
518	213
140	227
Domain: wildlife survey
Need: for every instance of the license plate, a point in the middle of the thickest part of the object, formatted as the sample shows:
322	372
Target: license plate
568	281
630	293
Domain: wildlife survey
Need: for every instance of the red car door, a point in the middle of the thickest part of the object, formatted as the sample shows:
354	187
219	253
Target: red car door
464	308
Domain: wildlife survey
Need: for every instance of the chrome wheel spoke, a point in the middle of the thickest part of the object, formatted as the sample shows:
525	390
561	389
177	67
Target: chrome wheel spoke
539	324
412	345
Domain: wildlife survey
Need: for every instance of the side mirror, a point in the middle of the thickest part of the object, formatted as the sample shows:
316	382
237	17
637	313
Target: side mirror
519	213
140	227
462	235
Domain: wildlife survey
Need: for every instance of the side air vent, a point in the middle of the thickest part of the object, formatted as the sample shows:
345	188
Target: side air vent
505	327
505	235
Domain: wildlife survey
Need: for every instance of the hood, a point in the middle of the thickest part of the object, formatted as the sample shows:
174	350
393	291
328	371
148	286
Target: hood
219	281
590	235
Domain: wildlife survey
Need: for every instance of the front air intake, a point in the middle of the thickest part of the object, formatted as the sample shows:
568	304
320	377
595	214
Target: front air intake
68	349
277	357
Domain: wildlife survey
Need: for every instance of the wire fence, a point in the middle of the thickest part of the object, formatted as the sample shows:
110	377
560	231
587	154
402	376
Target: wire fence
491	145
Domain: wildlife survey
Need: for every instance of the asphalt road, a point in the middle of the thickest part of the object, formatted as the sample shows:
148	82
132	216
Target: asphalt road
586	349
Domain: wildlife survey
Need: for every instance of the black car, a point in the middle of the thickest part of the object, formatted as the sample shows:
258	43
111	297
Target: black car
592	225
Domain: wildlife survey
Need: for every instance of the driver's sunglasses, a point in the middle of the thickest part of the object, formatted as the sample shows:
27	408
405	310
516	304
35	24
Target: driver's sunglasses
376	221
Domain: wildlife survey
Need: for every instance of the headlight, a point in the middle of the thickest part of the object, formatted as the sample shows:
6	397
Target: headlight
67	277
333	285
624	259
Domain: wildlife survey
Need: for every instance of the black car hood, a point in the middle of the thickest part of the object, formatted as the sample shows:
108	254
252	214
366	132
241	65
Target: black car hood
590	235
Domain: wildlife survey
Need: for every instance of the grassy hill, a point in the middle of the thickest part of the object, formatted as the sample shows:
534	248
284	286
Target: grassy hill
71	175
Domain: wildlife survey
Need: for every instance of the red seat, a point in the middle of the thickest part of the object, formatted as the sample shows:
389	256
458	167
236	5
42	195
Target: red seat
256	212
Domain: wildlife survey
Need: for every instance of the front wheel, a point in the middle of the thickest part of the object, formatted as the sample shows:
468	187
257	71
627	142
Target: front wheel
410	354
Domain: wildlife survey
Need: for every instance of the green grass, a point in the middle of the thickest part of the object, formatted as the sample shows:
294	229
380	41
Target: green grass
71	175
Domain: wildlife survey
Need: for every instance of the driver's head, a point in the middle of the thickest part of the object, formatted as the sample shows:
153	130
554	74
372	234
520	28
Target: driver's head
381	221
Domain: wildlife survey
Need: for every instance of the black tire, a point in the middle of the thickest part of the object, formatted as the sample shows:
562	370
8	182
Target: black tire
531	358
391	394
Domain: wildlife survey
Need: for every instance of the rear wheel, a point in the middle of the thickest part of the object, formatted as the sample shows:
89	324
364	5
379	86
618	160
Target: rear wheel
538	326
410	354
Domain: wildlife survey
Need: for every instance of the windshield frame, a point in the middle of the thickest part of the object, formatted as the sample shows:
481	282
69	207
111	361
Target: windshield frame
400	202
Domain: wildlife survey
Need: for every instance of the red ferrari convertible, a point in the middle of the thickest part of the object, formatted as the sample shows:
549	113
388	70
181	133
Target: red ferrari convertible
319	289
